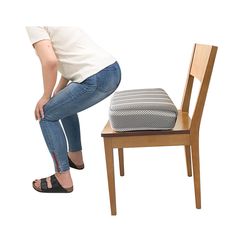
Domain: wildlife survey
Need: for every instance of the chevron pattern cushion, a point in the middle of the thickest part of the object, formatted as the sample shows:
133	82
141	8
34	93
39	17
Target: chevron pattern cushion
142	109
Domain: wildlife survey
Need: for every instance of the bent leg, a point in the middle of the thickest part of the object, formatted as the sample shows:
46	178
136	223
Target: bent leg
74	98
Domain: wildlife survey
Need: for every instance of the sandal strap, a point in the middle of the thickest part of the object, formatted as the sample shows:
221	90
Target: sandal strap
56	185
43	184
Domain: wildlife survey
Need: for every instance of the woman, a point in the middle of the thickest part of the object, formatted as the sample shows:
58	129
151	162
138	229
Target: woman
94	75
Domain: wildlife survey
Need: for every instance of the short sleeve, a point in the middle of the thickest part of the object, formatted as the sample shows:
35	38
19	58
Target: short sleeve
37	33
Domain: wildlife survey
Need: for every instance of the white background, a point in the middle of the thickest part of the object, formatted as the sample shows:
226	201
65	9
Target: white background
153	42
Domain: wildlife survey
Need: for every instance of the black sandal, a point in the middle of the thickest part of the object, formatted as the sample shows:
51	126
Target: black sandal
72	165
56	186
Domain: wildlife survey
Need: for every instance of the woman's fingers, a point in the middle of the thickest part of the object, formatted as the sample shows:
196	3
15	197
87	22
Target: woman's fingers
37	112
41	111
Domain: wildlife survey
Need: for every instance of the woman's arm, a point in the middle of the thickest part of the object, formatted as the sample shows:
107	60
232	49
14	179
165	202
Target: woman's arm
48	61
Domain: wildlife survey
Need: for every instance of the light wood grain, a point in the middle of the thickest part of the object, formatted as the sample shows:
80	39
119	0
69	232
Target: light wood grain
200	61
188	160
196	170
110	174
121	161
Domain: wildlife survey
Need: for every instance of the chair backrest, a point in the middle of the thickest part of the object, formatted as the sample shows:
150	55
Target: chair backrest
201	67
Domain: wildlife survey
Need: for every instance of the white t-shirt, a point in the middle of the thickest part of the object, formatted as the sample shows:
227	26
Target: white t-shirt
78	56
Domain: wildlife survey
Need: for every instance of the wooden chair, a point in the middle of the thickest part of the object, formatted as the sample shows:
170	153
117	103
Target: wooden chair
185	132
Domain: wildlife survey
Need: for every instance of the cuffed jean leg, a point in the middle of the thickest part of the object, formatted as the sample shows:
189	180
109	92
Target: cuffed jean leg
72	129
56	142
69	101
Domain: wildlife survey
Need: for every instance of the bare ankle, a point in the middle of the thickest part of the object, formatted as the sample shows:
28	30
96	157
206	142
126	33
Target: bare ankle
64	174
64	178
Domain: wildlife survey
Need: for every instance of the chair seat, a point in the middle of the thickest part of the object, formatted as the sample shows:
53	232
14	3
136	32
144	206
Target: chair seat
142	109
182	126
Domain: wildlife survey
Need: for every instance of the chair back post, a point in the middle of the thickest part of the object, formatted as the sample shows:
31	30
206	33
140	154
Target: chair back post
201	68
197	114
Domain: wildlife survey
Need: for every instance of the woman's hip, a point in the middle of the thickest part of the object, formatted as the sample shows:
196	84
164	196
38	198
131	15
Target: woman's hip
107	80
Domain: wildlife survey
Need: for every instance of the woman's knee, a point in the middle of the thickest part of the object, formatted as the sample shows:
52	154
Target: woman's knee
49	116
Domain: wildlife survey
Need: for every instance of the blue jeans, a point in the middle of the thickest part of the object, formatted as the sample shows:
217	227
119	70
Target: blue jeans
66	104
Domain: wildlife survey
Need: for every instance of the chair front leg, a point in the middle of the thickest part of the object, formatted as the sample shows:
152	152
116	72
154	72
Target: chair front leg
196	170
110	173
188	160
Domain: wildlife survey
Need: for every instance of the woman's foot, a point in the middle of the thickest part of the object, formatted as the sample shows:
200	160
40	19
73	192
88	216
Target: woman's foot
76	160
61	181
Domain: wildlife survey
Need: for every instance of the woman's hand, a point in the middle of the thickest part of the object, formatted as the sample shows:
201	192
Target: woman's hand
39	108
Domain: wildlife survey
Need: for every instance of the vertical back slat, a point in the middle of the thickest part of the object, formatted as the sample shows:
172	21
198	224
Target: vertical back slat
201	67
197	115
200	60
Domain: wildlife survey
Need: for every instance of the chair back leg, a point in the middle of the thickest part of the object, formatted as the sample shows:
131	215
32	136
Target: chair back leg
121	161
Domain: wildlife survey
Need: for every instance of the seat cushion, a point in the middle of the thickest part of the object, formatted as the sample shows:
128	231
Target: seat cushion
142	109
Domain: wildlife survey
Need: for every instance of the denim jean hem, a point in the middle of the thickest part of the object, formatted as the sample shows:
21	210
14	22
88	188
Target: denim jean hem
75	149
